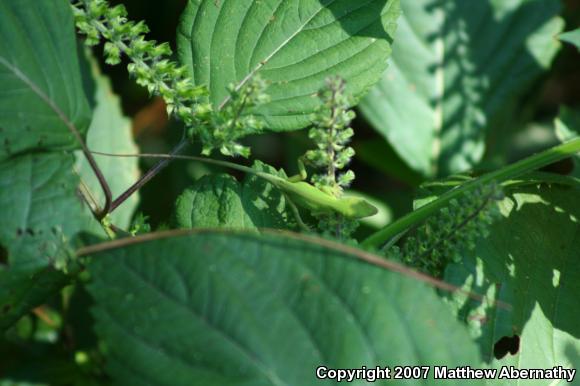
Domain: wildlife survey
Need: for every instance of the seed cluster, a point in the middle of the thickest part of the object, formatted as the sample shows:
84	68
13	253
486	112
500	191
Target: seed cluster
453	231
331	133
152	69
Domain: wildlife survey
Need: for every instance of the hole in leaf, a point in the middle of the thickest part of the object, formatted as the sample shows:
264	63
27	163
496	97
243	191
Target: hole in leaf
3	255
506	344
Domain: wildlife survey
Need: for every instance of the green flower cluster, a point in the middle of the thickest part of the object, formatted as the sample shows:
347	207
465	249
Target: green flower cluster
452	232
331	133
222	129
152	69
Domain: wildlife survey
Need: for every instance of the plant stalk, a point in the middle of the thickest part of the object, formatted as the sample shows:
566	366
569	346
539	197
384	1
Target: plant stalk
162	164
514	170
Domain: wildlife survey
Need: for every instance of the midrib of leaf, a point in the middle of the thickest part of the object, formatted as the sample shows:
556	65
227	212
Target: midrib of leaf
264	61
322	52
62	116
24	79
439	95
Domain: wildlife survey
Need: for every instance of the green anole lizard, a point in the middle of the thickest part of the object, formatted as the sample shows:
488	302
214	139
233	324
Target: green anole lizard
295	189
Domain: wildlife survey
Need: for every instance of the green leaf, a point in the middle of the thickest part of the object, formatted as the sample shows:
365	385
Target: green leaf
531	261
219	201
110	132
294	44
41	210
456	73
568	127
41	215
572	37
42	96
221	308
23	290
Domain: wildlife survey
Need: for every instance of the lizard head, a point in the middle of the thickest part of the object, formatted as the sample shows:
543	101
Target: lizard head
357	207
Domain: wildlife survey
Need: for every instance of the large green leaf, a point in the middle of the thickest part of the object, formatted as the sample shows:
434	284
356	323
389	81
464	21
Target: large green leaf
243	309
530	260
294	44
219	201
456	71
110	132
41	96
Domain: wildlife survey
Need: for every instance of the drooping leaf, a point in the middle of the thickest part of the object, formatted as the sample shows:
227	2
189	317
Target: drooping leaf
572	37
567	128
239	309
219	201
294	44
110	132
531	261
457	70
42	95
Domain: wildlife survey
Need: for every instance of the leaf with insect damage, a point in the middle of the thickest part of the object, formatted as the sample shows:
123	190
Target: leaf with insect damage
42	95
227	308
529	260
41	210
41	214
293	44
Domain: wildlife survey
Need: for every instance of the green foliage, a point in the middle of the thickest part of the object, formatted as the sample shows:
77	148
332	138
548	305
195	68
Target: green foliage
530	260
331	133
149	66
452	233
153	70
41	212
219	201
222	129
109	131
261	310
457	71
568	128
25	289
41	94
295	45
246	305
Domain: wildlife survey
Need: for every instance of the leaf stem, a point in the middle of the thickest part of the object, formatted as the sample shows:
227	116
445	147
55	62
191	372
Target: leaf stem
514	170
162	164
